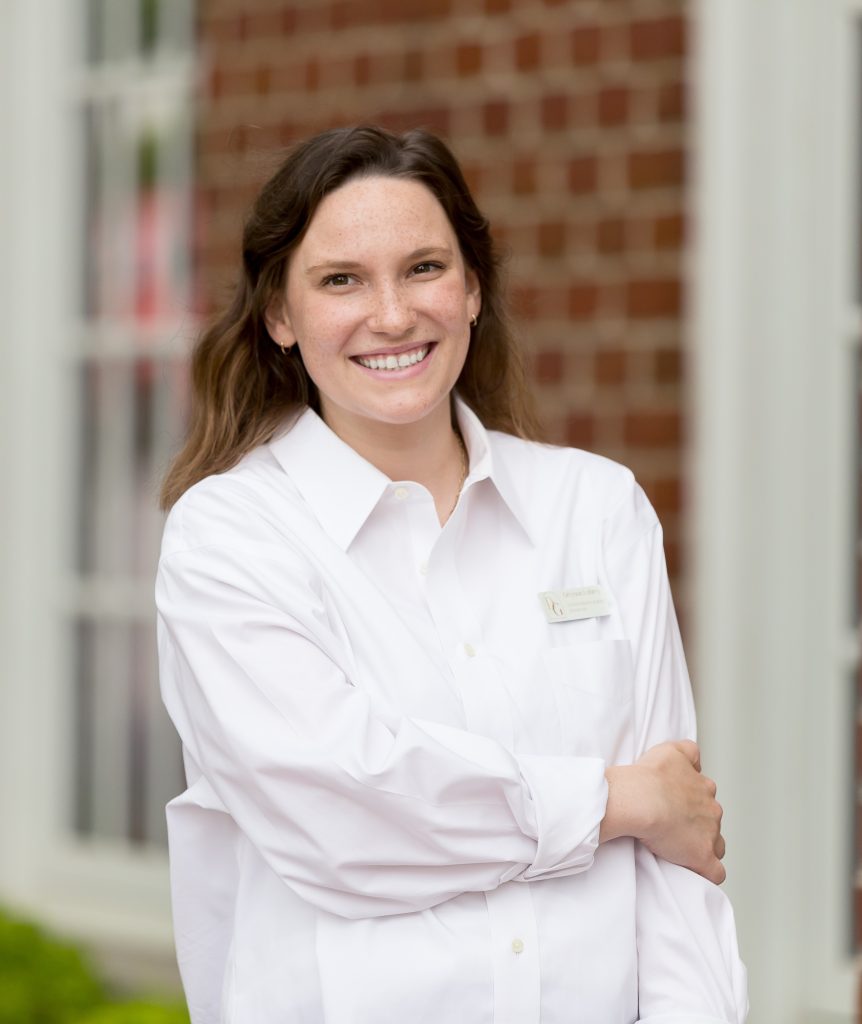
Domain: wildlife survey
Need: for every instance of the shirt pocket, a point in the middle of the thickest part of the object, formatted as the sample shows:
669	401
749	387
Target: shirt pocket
593	687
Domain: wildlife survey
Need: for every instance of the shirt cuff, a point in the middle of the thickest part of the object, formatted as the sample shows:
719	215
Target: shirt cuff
569	797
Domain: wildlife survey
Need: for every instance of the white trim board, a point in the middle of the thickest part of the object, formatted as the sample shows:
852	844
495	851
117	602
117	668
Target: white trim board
775	87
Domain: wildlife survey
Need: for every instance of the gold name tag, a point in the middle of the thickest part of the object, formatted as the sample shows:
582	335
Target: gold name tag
580	603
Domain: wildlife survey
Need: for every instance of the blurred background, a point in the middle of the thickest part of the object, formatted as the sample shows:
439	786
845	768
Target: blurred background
677	183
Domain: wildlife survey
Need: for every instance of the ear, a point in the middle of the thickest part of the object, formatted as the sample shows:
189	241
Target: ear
474	293
278	324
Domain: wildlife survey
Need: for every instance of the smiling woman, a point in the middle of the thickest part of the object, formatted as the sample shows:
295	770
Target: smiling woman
383	329
437	725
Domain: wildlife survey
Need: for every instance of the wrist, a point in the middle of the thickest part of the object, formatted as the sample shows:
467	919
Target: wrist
628	809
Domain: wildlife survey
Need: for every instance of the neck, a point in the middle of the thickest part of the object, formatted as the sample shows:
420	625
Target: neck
428	452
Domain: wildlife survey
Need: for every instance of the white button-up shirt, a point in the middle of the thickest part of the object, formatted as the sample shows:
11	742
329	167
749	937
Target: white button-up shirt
395	761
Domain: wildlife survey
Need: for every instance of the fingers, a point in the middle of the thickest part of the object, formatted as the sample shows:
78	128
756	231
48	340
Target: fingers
691	751
716	873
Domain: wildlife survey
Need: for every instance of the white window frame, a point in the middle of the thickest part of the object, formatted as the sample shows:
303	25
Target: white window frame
110	895
773	329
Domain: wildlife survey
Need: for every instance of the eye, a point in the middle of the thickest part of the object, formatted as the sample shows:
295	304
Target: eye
427	268
337	280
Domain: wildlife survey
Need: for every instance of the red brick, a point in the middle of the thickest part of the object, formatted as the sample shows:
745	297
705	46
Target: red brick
495	117
524	176
583	174
555	110
551	239
653	429
533	302
666	496
586	44
580	430
528	52
667	366
525	300
312	75
468	59
262	25
362	69
613	105
673	559
341	15
669	231
262	81
548	367
583	301
387	67
348	14
311	18
498	6
609	367
395	11
221	30
656	168
288	78
413	65
473	175
671	103
657	38
611	235
653	298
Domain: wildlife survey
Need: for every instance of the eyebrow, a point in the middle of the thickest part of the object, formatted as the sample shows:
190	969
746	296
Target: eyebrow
417	254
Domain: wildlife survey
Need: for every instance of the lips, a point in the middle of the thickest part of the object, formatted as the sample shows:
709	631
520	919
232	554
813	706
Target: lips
394	361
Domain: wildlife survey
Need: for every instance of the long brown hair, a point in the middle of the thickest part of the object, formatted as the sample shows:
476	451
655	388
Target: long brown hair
243	386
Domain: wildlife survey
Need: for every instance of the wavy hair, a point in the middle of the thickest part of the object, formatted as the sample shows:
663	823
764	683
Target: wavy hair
243	386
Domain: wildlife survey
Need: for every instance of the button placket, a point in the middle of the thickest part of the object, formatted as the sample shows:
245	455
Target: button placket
515	962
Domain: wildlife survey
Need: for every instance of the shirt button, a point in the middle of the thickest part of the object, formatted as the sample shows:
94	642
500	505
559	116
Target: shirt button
470	650
423	568
517	946
401	493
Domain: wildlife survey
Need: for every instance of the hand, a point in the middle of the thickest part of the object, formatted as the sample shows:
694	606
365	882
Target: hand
665	801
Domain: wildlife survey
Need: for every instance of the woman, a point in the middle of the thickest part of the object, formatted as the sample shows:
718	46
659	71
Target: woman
434	708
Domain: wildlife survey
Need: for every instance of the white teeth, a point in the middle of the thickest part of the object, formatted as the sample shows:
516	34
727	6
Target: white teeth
394	362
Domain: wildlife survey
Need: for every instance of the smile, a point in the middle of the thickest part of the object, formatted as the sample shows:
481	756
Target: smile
393	362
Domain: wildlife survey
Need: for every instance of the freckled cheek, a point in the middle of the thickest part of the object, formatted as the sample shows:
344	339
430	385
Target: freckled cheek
326	332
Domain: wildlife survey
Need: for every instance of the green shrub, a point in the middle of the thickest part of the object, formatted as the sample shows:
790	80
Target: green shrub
42	981
136	1013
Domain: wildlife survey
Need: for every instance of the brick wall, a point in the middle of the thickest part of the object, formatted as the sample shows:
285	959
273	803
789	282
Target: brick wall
569	119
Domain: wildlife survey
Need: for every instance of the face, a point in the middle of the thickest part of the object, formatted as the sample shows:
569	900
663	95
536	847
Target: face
379	301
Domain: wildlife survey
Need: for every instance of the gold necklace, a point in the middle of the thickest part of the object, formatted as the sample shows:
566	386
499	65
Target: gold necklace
465	468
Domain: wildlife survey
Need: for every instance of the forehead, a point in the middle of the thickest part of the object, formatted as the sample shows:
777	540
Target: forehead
378	211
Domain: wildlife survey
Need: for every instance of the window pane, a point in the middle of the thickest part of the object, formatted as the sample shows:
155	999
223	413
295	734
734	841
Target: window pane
128	762
135	306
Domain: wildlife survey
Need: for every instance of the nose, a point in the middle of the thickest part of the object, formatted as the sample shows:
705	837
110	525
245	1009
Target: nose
391	312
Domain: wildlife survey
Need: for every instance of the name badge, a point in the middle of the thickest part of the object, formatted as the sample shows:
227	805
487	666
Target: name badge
580	603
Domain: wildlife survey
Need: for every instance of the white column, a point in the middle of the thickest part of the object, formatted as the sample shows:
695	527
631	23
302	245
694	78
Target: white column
36	182
771	466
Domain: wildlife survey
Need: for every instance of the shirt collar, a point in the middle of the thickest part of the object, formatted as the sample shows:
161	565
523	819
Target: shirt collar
343	497
487	461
